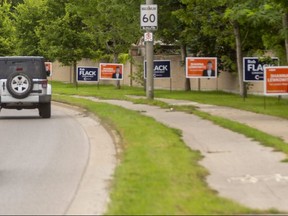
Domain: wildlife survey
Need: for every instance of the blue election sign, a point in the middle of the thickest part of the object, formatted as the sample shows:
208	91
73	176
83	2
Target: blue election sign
89	74
253	69
162	69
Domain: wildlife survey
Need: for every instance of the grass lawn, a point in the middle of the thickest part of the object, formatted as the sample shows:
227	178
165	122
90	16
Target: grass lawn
158	174
253	103
274	106
259	104
102	91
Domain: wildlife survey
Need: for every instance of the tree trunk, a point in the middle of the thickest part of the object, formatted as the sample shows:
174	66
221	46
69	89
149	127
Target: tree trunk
183	60
285	27
237	35
75	74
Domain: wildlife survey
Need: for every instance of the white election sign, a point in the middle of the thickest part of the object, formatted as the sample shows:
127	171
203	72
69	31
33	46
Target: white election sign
149	17
148	37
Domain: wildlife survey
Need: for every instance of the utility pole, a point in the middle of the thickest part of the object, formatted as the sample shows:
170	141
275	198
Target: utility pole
150	63
149	23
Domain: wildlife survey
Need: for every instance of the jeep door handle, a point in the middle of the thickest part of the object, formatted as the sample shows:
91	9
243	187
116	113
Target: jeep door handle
3	86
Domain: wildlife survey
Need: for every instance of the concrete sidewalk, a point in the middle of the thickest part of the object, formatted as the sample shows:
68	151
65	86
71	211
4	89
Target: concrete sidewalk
268	124
240	169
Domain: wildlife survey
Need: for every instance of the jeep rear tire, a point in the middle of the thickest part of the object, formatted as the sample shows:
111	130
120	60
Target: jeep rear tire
45	110
19	85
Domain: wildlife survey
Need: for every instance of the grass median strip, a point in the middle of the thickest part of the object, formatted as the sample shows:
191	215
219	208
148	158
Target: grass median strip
274	106
263	138
254	103
158	173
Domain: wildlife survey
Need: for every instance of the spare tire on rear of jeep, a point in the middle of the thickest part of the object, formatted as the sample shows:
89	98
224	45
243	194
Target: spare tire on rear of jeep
19	85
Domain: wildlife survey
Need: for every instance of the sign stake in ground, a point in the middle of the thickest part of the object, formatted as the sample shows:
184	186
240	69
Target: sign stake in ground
149	22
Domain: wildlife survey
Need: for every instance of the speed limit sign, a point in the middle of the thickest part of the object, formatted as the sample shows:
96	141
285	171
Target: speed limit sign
149	17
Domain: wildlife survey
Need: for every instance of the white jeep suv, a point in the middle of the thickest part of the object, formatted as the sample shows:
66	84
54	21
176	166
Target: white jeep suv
24	84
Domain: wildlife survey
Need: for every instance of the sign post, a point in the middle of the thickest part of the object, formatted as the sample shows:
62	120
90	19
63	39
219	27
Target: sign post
149	22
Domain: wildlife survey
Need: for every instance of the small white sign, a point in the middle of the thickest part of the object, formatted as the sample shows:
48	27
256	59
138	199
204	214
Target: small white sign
149	17
148	37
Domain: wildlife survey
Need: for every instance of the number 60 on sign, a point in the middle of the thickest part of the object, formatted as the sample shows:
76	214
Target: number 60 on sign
149	17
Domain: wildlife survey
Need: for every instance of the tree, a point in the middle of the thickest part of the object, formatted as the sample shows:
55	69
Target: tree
226	29
13	3
114	24
247	21
64	35
173	30
27	17
7	31
205	32
283	8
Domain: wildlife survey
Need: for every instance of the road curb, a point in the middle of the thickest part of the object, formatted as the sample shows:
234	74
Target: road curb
92	195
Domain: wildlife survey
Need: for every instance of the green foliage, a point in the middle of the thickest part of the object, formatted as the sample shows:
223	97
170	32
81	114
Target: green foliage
283	3
207	27
138	76
113	24
7	31
172	30
27	17
69	30
124	58
63	33
206	32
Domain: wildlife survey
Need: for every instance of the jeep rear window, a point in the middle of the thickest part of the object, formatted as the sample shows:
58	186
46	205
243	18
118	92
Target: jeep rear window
33	68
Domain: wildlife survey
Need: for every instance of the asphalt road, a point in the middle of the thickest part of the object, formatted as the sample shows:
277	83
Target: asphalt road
44	163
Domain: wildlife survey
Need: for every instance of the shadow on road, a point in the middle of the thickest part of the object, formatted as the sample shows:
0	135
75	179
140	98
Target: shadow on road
19	117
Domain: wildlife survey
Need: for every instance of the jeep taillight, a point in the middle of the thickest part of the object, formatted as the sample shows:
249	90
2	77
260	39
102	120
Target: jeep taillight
44	83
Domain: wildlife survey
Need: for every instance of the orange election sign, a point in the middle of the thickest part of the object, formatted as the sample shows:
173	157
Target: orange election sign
276	81
200	67
48	68
111	71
